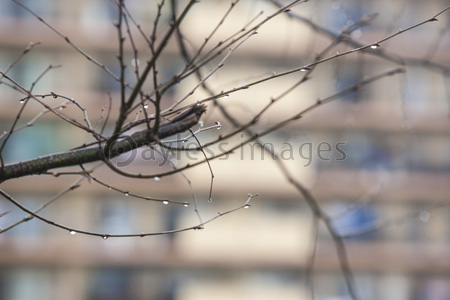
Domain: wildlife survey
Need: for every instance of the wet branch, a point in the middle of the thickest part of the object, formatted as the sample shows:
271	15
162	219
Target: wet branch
39	165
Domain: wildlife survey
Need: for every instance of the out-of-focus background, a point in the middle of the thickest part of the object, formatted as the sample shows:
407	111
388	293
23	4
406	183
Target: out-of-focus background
376	158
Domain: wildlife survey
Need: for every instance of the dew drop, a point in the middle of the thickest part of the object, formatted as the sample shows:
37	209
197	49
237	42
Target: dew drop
157	178
165	202
375	46
146	105
109	187
186	204
127	194
304	69
219	126
22	101
201	123
226	95
197	228
73	232
105	237
247	205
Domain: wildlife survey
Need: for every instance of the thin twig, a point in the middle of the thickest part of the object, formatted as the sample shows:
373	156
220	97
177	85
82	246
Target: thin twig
72	187
209	165
379	52
105	236
72	44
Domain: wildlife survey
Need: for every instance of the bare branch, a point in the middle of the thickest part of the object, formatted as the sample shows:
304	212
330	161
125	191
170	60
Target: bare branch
82	156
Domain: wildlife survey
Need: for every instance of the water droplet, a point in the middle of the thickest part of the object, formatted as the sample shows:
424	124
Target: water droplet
406	125
60	107
135	62
22	101
127	194
274	73
219	126
197	228
335	5
186	204
247	205
350	22
157	178
105	237
109	187
165	202
356	34
424	216
226	95
73	232
146	105
304	69
375	46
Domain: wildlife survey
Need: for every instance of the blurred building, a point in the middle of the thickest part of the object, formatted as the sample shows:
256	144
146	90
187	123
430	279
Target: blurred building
377	157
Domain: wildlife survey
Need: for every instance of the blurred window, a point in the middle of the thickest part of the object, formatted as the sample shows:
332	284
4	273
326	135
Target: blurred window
42	7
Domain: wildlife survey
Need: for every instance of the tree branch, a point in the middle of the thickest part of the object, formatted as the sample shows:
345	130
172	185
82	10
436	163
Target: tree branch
180	123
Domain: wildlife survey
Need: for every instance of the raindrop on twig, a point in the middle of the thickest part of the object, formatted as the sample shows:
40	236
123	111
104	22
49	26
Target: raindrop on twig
424	216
